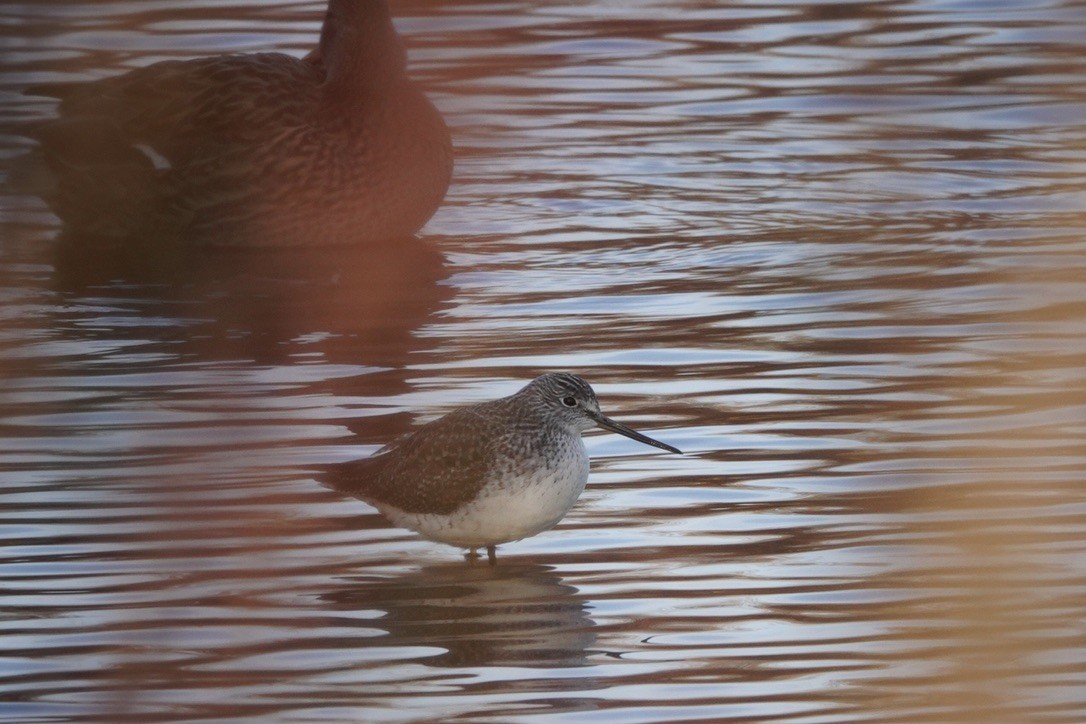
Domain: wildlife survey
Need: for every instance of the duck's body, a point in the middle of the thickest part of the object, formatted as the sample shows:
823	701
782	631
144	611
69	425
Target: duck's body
254	150
490	473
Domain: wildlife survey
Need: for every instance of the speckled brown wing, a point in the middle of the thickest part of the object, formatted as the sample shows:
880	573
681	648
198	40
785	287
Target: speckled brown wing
183	108
202	124
435	472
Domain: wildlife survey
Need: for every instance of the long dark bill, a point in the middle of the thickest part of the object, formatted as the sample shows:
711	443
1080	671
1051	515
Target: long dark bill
608	424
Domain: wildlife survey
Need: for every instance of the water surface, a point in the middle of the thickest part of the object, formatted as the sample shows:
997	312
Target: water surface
832	251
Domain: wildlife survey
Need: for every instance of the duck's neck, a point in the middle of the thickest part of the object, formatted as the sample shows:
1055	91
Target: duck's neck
359	48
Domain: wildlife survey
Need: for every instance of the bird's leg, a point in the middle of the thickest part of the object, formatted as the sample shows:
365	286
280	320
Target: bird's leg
491	555
471	556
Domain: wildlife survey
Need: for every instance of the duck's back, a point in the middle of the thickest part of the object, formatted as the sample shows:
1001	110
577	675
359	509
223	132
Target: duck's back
183	108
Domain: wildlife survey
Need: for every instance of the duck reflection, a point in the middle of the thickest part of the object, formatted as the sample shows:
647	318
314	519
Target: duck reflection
514	615
355	305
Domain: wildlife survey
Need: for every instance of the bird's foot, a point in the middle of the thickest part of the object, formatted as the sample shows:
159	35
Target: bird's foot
472	555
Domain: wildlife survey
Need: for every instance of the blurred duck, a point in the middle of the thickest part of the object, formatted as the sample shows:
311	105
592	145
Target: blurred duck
250	150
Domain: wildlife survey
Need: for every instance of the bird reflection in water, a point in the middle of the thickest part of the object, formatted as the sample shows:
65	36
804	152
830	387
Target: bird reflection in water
513	615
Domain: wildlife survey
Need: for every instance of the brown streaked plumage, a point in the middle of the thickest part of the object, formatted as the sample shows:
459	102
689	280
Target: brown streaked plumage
252	150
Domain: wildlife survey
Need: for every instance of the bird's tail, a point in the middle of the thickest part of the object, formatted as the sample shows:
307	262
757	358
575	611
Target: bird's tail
352	478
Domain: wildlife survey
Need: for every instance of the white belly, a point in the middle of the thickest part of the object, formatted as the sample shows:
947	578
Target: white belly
508	508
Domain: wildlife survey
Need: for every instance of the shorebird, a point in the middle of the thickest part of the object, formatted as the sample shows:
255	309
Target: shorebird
488	473
249	150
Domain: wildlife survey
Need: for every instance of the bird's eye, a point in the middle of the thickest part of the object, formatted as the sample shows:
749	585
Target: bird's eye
569	401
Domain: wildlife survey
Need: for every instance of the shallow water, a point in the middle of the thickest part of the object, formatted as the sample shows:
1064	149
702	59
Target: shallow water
834	252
